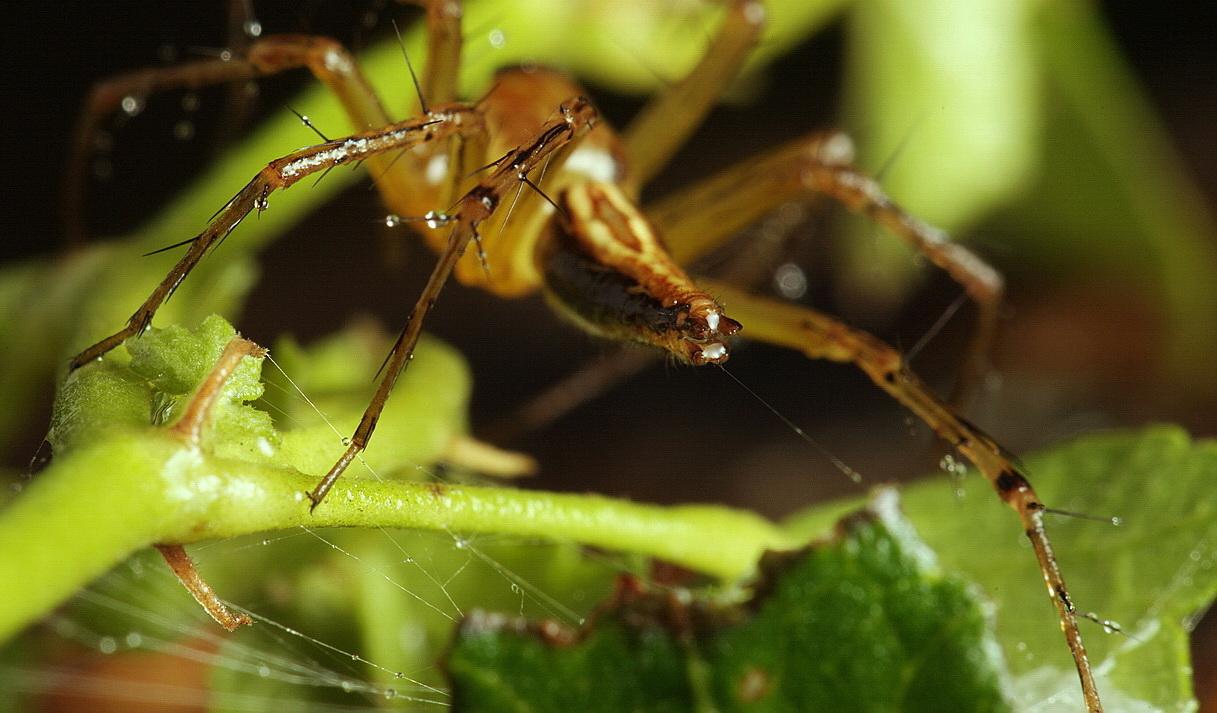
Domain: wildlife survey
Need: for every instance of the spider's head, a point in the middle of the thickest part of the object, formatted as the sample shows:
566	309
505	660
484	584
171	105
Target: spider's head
605	268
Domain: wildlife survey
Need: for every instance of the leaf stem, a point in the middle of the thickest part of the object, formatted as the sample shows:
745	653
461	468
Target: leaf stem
99	503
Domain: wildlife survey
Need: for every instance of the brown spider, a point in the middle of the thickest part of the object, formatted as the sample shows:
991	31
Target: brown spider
597	256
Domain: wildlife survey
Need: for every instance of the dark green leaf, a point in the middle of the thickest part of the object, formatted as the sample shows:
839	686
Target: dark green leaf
864	621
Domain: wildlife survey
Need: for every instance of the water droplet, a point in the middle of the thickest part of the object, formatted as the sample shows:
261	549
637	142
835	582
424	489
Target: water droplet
460	543
133	640
225	55
390	693
790	281
515	588
346	441
497	39
264	671
132	105
392	220
434	219
1117	521
252	28
1194	555
183	130
347	687
107	645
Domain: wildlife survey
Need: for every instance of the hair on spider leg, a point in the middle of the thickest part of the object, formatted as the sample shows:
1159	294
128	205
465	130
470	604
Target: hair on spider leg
514	200
936	327
649	68
422	101
372	185
324	173
486	95
167	248
528	182
1113	520
307	122
890	162
490	165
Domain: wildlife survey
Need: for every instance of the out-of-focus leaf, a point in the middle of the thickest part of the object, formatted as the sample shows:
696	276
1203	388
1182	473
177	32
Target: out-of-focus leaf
1026	112
1114	196
946	96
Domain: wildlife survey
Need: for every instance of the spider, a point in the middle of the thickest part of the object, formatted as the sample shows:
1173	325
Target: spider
547	194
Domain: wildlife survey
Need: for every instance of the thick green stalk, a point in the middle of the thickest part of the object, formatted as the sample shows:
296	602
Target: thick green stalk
148	486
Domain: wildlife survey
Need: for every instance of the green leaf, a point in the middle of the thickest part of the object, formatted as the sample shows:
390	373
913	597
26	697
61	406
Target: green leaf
947	95
1115	196
865	621
1152	574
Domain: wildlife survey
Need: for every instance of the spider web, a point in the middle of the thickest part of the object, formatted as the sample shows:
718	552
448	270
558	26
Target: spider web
345	619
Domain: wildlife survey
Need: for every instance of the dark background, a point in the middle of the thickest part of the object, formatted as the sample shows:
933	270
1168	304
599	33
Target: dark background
669	434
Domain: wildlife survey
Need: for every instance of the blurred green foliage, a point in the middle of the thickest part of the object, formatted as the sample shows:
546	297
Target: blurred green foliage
1022	111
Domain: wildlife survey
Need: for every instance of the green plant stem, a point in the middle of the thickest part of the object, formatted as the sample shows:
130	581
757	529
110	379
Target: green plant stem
146	487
